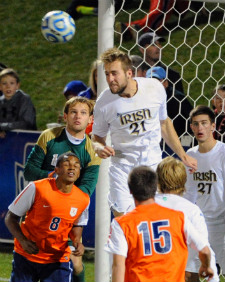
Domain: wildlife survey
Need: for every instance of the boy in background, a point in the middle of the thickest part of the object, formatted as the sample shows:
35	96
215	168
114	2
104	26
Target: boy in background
16	108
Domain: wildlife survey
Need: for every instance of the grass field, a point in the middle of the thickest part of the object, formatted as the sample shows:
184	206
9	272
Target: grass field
6	263
45	68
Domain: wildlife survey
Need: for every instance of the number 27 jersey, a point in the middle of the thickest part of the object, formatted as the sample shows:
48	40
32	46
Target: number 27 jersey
206	186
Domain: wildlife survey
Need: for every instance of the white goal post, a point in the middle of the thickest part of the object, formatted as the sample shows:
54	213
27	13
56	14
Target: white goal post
194	47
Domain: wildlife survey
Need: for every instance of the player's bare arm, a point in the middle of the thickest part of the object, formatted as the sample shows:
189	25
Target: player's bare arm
171	138
75	235
100	147
118	268
12	222
205	270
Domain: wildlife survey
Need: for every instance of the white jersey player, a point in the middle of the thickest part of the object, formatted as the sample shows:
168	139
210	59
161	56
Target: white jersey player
206	187
171	178
134	111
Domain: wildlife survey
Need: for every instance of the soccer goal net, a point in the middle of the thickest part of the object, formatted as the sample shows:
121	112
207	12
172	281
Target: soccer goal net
194	48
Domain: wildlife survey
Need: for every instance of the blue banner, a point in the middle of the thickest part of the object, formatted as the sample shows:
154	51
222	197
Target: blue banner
14	150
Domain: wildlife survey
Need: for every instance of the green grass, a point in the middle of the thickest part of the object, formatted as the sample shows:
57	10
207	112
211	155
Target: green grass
6	265
45	68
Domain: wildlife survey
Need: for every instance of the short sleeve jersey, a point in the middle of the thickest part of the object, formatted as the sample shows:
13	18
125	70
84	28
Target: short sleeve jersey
206	186
134	123
192	211
49	219
154	241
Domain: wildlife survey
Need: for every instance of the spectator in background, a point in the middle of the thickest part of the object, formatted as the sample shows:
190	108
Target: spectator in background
178	106
16	108
91	91
159	13
73	88
218	102
150	47
139	67
79	8
2	67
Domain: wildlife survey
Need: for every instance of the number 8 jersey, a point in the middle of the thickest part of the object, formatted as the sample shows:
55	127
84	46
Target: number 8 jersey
50	216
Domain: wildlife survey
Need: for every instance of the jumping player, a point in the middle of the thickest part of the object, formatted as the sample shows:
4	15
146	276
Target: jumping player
172	177
134	111
53	209
206	186
150	243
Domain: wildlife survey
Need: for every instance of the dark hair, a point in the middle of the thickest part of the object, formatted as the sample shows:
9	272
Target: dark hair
142	182
202	110
138	63
218	87
114	54
64	156
78	99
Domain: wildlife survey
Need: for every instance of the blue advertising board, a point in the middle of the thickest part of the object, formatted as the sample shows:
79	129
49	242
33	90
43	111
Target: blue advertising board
14	150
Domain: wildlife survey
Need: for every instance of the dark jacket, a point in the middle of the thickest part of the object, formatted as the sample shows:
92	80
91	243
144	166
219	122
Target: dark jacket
17	112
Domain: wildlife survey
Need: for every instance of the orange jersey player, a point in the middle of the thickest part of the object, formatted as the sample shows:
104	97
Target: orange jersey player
55	210
149	244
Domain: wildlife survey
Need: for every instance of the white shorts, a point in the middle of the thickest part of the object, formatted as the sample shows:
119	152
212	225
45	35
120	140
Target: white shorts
217	243
119	197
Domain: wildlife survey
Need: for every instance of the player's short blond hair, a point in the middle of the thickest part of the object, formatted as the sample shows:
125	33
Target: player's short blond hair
172	176
78	99
114	54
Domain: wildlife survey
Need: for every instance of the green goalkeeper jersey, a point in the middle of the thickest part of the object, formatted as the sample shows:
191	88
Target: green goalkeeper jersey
54	142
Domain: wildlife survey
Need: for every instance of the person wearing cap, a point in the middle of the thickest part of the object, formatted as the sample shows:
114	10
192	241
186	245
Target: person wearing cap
178	106
139	67
73	88
54	210
150	47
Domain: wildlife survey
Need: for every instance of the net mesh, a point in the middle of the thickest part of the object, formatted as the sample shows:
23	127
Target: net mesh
194	48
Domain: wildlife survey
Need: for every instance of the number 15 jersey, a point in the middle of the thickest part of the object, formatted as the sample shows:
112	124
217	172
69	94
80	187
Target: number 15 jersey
154	241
